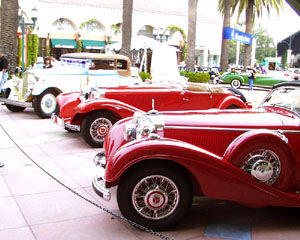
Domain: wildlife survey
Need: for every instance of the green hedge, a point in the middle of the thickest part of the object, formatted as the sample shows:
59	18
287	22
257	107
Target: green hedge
145	76
32	48
196	77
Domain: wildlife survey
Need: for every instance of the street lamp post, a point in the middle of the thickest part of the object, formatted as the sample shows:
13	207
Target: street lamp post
23	25
161	33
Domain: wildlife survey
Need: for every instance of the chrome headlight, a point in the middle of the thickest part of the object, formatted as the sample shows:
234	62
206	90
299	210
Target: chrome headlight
91	93
143	125
100	160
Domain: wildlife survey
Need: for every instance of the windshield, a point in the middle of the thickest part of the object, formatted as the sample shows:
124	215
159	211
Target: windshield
284	97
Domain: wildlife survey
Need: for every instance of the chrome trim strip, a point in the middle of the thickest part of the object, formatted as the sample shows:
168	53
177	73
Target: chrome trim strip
118	107
227	129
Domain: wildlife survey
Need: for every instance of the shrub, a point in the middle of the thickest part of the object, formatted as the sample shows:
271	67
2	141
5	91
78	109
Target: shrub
196	77
145	76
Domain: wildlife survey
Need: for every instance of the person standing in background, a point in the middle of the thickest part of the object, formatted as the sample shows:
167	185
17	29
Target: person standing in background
3	70
251	77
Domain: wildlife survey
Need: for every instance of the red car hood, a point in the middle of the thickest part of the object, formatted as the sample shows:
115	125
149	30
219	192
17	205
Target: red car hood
268	118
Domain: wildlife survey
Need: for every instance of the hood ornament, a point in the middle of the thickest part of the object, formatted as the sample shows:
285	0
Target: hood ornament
153	111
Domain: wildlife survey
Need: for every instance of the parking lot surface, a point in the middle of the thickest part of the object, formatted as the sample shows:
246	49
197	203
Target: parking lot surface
35	206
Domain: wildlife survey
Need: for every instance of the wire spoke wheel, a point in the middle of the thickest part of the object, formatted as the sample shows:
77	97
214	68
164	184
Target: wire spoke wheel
155	197
99	129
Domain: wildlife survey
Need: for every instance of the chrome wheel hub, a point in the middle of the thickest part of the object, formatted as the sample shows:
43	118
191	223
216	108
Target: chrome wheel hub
99	129
155	197
263	165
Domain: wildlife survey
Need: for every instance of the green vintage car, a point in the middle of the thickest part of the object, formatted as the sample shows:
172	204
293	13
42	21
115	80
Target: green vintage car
237	80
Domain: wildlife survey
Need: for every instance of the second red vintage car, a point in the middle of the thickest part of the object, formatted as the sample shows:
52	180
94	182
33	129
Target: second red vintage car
159	161
96	112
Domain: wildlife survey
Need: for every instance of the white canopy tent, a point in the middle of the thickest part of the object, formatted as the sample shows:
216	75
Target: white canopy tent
164	59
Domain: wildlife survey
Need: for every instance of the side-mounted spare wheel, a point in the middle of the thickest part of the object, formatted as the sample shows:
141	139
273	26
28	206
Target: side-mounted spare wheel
45	104
12	107
155	194
266	162
96	126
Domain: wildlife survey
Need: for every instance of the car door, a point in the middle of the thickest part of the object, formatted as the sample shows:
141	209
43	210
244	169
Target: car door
194	100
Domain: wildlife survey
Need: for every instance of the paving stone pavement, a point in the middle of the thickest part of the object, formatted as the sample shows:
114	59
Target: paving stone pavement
35	207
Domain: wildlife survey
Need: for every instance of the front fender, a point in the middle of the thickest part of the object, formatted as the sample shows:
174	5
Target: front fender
67	102
257	135
118	108
217	177
8	84
182	153
230	101
39	89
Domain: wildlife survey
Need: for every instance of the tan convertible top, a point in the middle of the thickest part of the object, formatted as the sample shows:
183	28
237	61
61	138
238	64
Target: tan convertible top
200	87
94	56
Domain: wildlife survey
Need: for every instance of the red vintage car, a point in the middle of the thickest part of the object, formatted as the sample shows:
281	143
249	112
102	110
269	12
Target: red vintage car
97	111
161	160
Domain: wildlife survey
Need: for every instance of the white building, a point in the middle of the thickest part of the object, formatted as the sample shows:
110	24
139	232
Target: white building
62	23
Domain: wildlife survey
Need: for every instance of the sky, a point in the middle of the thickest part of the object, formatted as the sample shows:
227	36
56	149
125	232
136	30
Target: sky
278	27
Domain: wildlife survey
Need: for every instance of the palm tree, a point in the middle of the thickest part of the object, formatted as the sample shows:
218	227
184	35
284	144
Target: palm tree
225	7
252	7
127	27
191	39
9	30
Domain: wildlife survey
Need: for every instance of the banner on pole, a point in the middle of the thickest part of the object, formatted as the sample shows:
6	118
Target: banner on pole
233	34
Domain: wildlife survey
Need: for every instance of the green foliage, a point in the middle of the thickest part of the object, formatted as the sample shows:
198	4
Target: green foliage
82	25
116	28
201	77
144	76
32	48
79	46
265	46
20	52
184	46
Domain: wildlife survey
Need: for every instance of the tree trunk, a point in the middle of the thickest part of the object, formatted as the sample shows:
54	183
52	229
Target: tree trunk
225	42
9	30
127	27
249	27
191	40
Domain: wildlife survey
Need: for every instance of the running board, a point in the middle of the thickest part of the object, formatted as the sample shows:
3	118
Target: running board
16	103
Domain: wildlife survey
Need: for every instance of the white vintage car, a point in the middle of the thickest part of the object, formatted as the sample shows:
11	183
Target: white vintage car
39	87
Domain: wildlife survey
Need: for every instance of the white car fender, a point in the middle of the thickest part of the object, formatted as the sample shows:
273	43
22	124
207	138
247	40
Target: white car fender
9	84
38	90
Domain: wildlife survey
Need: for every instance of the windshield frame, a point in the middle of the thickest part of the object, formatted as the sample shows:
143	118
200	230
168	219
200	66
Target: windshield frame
276	98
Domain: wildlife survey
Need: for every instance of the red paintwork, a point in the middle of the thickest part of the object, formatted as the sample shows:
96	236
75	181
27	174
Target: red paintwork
206	153
124	101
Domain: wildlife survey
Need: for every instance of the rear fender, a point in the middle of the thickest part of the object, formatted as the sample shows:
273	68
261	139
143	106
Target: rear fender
257	135
230	101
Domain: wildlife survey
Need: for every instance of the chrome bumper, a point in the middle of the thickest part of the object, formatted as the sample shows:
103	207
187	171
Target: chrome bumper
63	122
99	183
